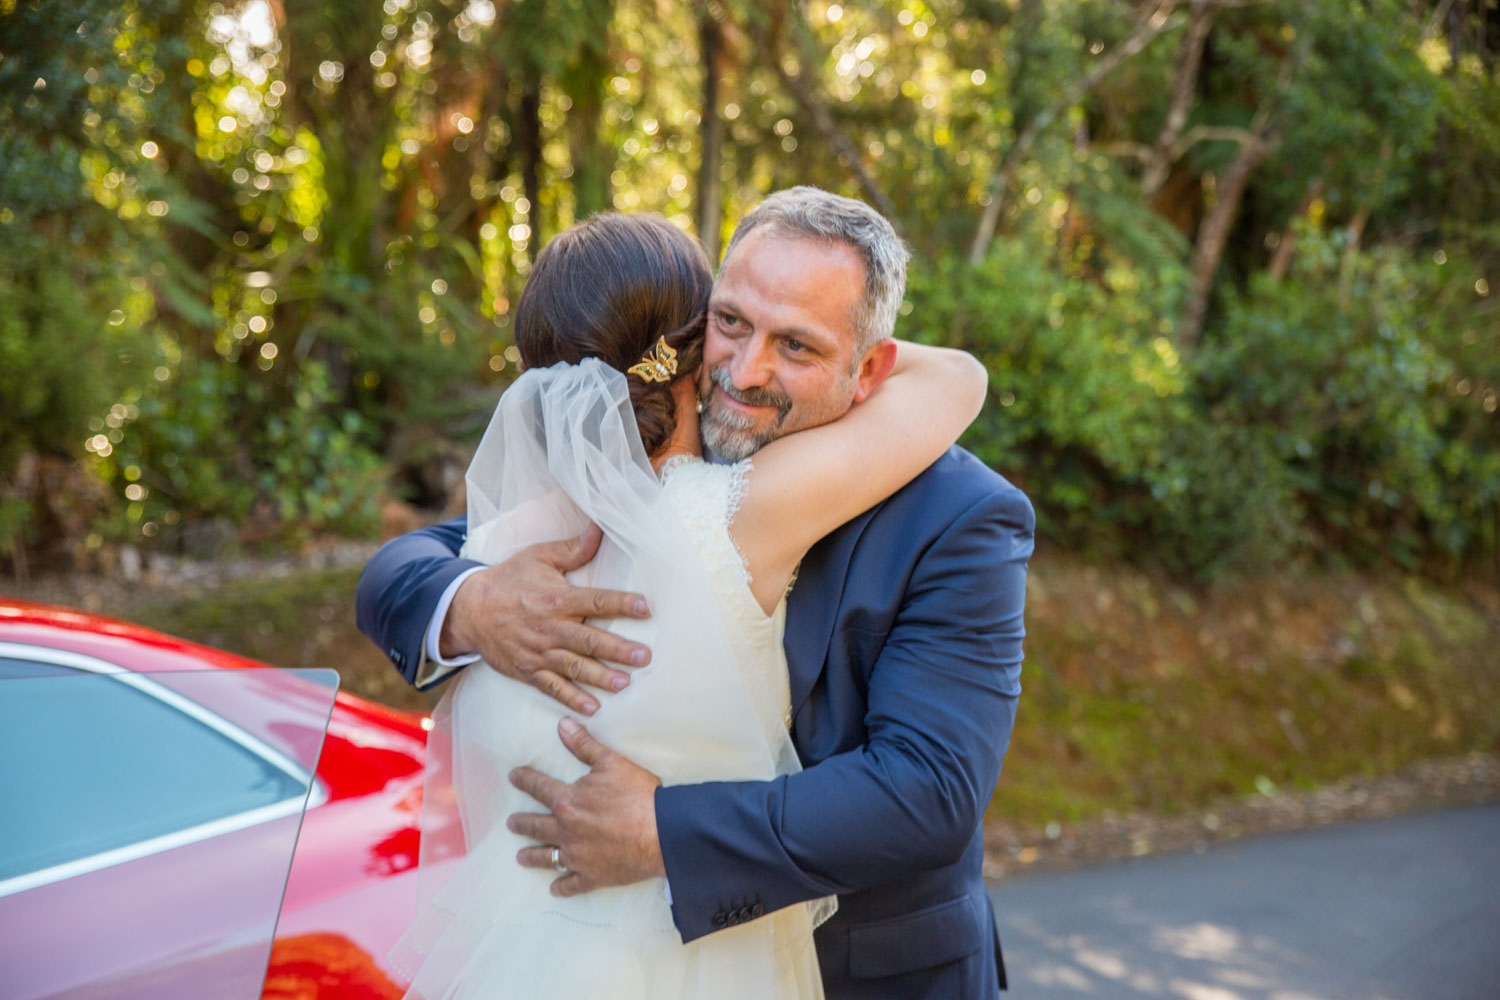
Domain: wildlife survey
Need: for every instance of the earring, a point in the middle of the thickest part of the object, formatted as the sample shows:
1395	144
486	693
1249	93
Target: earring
698	404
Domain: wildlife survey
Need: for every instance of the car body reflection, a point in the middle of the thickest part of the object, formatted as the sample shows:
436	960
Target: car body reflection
154	798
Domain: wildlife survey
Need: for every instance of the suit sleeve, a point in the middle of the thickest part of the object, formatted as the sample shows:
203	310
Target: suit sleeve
941	704
400	587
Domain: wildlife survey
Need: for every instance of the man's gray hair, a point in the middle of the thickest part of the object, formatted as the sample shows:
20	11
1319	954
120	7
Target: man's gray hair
813	213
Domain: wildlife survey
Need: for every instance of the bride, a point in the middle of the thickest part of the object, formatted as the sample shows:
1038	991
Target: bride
602	428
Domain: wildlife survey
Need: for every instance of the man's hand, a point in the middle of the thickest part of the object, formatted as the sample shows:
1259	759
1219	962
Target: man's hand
604	824
526	620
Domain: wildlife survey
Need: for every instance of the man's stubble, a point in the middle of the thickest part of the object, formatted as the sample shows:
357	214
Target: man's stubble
730	436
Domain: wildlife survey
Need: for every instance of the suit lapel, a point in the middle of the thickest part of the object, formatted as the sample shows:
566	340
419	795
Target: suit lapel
813	607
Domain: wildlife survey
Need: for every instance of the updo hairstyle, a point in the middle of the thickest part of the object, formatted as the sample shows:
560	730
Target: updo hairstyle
609	288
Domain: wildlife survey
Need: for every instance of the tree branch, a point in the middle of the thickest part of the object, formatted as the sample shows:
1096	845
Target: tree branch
1180	103
1133	150
1213	234
828	129
1145	31
1355	231
1210	133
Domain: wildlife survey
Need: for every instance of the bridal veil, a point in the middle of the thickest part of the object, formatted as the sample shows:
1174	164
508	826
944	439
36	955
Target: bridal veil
562	450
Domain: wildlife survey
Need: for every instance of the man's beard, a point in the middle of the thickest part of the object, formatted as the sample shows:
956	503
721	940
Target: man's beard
730	435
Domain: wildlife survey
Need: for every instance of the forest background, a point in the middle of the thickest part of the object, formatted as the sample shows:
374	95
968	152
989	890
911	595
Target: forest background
1233	265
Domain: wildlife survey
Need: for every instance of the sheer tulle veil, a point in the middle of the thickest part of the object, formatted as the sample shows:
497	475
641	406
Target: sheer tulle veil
563	450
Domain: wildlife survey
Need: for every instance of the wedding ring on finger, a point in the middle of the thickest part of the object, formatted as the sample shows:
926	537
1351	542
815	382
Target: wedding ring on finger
556	858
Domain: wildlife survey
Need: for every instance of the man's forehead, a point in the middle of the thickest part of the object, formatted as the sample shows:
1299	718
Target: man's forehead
779	240
791	269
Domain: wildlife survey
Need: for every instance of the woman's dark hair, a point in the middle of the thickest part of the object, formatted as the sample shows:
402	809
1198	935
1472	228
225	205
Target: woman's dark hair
609	288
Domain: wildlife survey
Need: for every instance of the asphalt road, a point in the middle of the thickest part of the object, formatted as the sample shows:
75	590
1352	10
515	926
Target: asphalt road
1397	909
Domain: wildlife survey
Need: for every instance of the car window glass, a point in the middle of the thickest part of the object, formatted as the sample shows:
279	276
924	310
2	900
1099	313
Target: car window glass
11	668
93	764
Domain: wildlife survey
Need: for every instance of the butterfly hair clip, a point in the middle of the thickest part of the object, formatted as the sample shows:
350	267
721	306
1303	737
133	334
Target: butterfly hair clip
658	364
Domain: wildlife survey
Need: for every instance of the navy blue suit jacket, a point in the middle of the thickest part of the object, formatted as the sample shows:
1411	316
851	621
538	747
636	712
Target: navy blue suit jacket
904	647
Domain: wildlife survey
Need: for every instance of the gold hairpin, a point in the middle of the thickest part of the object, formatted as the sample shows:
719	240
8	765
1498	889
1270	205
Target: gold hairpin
658	364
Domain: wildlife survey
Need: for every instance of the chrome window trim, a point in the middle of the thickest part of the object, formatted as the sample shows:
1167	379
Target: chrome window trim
146	848
316	793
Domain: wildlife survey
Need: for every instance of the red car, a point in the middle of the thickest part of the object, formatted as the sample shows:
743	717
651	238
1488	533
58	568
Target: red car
151	794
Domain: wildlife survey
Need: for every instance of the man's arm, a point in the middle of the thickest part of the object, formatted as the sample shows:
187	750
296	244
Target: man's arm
400	587
941	705
521	616
940	708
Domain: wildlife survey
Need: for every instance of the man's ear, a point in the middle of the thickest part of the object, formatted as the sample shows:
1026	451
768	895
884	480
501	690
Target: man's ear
874	367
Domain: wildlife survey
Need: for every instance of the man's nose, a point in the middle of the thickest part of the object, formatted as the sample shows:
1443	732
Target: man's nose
752	366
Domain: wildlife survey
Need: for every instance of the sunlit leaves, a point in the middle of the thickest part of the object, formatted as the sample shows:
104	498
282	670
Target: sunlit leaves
252	192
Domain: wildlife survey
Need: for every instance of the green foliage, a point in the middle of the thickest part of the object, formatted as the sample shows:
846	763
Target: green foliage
291	235
315	465
62	358
71	337
1353	376
216	444
1347	409
1085	385
304	619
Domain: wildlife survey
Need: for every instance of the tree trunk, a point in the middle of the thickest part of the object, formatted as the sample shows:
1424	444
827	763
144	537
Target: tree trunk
1208	249
1455	35
529	138
1180	103
710	183
1213	234
592	164
492	104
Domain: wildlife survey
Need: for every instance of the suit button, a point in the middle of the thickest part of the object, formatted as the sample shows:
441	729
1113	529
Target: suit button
758	910
721	919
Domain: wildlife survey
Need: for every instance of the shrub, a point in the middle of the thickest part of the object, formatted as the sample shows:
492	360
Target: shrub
1363	378
1085	387
214	443
63	357
1346	412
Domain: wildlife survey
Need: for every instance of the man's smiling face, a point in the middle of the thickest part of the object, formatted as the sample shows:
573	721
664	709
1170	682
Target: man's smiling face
778	355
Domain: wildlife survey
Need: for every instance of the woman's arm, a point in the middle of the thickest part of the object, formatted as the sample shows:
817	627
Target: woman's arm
804	485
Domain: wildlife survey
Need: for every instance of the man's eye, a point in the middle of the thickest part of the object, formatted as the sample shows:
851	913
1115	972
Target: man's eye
795	346
729	322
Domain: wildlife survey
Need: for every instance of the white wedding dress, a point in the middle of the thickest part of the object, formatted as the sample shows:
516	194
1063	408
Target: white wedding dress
563	450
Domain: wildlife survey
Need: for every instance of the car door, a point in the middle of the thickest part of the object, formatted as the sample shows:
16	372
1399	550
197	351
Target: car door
144	839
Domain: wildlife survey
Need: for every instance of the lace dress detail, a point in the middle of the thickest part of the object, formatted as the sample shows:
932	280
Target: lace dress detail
707	497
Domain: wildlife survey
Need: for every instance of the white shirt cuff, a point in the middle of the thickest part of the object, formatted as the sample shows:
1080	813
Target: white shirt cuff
435	665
